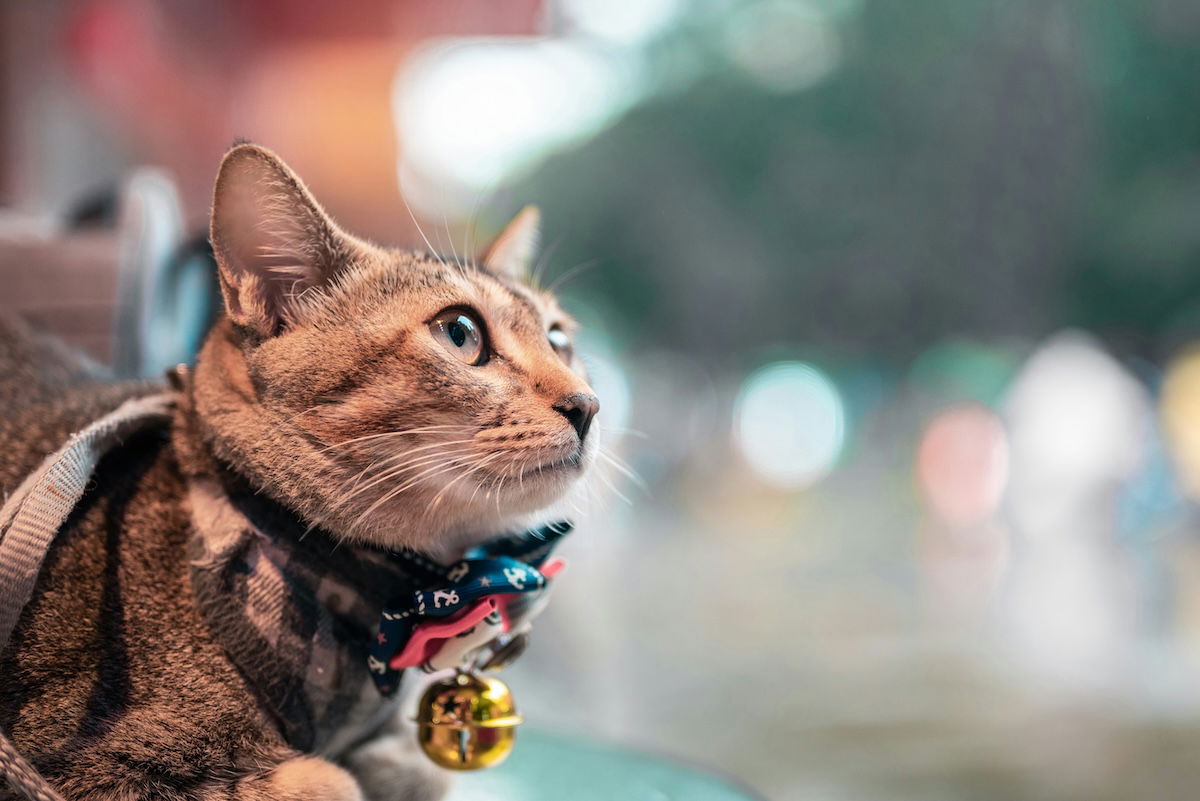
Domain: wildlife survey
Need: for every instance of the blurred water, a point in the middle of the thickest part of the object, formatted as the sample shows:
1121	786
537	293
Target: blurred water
847	640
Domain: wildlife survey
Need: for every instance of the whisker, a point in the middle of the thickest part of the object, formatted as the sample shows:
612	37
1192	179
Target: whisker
410	464
453	251
571	273
409	454
427	459
390	473
624	469
431	473
539	269
429	446
436	469
306	411
609	484
413	217
470	231
437	498
630	432
407	431
478	487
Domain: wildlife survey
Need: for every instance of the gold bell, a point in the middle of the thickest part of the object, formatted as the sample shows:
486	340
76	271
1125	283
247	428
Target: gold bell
467	722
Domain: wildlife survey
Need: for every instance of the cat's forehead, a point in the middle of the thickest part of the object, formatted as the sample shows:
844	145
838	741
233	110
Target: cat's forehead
427	280
517	302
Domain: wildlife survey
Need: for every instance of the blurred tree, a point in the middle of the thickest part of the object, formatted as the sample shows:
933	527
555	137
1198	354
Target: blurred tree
968	168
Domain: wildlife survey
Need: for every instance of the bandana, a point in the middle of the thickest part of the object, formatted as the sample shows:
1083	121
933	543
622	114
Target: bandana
306	618
496	590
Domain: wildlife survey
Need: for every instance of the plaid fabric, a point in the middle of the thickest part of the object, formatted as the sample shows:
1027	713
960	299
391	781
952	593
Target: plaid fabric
299	613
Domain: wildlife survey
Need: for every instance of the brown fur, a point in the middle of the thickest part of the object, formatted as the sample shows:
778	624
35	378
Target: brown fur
324	389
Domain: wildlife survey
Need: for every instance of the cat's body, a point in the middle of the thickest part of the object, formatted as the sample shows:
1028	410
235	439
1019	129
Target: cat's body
320	404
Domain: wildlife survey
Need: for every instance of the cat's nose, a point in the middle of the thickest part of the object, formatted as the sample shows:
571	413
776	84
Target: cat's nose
579	409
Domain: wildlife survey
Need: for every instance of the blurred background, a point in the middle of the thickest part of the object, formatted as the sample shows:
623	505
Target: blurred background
893	307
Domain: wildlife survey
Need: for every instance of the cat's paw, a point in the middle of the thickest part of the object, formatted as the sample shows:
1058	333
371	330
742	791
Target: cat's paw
311	779
391	768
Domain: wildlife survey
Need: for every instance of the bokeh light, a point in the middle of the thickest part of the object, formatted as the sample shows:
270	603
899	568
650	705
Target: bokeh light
1181	417
961	369
786	46
472	111
621	21
1076	417
789	423
962	464
1078	422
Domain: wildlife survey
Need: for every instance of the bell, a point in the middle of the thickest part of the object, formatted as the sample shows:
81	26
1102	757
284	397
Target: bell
467	722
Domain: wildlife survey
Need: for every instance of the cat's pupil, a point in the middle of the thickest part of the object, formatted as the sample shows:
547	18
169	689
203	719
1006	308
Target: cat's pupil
461	335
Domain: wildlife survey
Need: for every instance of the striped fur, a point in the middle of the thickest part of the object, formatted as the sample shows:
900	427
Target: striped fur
322	390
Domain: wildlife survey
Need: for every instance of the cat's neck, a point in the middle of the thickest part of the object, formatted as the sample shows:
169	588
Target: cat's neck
221	427
295	609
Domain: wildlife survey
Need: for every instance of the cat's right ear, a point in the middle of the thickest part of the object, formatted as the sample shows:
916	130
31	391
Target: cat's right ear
512	251
271	239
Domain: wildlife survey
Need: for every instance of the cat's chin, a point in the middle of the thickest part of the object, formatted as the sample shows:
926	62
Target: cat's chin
444	526
542	485
524	502
524	498
569	467
449	515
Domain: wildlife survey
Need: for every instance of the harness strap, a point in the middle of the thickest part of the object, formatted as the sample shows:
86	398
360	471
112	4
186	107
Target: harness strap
30	519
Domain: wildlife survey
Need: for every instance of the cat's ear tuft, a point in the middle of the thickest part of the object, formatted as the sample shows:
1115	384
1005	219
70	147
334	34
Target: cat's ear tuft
513	250
271	239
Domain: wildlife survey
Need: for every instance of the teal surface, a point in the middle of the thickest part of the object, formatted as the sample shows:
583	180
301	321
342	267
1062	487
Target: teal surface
552	767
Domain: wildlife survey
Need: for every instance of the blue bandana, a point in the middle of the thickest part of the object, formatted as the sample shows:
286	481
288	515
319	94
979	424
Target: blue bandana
495	584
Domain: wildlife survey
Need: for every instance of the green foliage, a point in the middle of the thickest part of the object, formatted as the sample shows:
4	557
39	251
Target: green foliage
969	168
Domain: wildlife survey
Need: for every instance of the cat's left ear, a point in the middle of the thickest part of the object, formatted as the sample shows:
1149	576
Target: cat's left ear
513	250
272	240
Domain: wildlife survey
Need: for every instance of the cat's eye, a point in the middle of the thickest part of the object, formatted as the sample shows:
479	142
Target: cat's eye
459	332
561	343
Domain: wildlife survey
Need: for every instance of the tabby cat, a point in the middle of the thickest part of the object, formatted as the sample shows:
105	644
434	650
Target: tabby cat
352	401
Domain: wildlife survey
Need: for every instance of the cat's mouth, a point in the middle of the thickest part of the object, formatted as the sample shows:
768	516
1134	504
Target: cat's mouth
574	461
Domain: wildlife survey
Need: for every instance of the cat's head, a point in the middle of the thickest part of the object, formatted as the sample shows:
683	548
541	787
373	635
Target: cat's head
389	396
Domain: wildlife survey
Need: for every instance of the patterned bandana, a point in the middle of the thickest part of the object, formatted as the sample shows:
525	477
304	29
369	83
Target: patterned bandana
306	619
496	590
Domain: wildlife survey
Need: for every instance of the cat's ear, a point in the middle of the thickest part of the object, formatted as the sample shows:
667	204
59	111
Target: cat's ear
512	251
271	239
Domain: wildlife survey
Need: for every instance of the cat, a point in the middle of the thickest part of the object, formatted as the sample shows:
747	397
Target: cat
352	401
